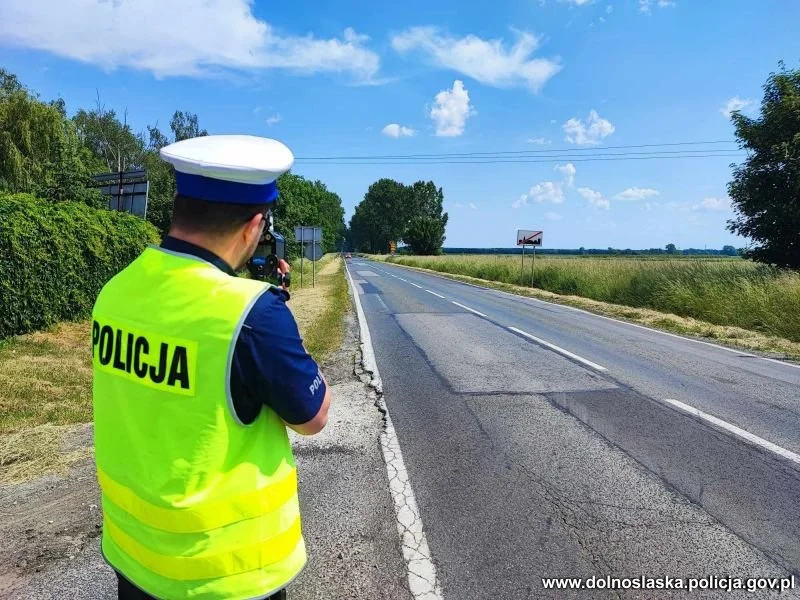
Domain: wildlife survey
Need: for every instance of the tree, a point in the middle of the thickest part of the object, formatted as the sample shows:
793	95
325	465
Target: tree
671	249
729	251
40	151
110	139
185	126
388	210
304	202
425	235
765	189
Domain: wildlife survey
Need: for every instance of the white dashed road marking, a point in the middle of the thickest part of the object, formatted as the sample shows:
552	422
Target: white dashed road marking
558	349
737	431
435	294
415	285
472	310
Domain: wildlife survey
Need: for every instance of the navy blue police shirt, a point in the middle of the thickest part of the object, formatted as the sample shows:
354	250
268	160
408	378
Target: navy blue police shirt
270	365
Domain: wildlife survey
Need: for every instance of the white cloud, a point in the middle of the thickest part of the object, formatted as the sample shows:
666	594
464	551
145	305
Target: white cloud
645	5
487	61
270	121
394	130
568	171
733	104
587	133
457	205
713	204
578	2
472	206
451	110
595	198
636	193
257	110
177	38
546	191
552	216
609	9
540	140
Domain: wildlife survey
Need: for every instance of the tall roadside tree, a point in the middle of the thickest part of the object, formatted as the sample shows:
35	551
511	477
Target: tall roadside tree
427	222
765	189
304	202
388	210
40	150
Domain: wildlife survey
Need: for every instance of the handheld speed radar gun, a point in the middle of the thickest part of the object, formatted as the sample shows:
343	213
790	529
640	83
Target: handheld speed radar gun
263	265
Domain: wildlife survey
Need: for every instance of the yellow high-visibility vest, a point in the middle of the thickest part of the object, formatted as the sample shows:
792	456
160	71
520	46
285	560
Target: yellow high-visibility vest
195	504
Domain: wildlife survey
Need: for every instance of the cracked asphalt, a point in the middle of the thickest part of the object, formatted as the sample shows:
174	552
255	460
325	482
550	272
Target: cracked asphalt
526	463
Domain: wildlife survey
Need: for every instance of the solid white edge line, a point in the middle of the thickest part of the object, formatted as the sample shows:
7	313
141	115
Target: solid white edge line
422	578
435	294
586	312
737	431
559	349
472	310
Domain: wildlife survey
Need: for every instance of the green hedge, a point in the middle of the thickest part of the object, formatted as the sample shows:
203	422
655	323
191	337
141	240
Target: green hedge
55	258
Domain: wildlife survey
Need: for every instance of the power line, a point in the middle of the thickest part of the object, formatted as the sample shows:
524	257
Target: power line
523	152
482	161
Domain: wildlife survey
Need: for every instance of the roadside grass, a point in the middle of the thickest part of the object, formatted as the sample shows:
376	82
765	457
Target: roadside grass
320	310
46	377
747	339
45	388
728	293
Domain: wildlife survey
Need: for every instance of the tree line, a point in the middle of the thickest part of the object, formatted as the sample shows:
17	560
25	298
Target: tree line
394	212
47	153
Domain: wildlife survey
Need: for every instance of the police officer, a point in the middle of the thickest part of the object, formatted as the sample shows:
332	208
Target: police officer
197	373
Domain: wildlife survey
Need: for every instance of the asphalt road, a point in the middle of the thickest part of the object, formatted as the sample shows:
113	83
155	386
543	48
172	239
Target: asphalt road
543	441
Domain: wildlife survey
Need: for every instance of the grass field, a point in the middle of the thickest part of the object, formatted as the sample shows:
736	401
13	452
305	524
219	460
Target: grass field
730	292
46	377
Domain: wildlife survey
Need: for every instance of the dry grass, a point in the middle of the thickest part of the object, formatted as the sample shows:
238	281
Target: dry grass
732	336
319	310
46	377
29	453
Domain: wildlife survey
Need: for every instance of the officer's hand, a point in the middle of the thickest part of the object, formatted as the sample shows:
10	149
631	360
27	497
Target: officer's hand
283	272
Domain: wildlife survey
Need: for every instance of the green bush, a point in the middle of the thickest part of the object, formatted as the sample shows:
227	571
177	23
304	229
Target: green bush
55	258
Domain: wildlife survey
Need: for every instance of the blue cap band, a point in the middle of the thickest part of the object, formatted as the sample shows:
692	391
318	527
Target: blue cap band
230	192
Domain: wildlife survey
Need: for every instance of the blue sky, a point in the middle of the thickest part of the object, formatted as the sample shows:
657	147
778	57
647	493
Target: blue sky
346	78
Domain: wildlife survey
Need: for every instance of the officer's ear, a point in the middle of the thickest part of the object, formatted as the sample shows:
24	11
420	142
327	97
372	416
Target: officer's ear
253	227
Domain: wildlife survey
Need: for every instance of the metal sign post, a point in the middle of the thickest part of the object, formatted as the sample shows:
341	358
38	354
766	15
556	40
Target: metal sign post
303	243
528	237
310	239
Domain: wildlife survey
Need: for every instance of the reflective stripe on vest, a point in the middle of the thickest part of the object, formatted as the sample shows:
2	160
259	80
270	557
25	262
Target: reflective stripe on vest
207	515
195	504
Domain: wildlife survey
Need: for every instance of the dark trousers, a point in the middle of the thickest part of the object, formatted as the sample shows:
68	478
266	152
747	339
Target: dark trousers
127	591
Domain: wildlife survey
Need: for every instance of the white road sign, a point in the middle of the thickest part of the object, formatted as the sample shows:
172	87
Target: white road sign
526	237
308	234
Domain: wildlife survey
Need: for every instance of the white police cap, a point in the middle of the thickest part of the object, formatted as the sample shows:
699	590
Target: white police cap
240	169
